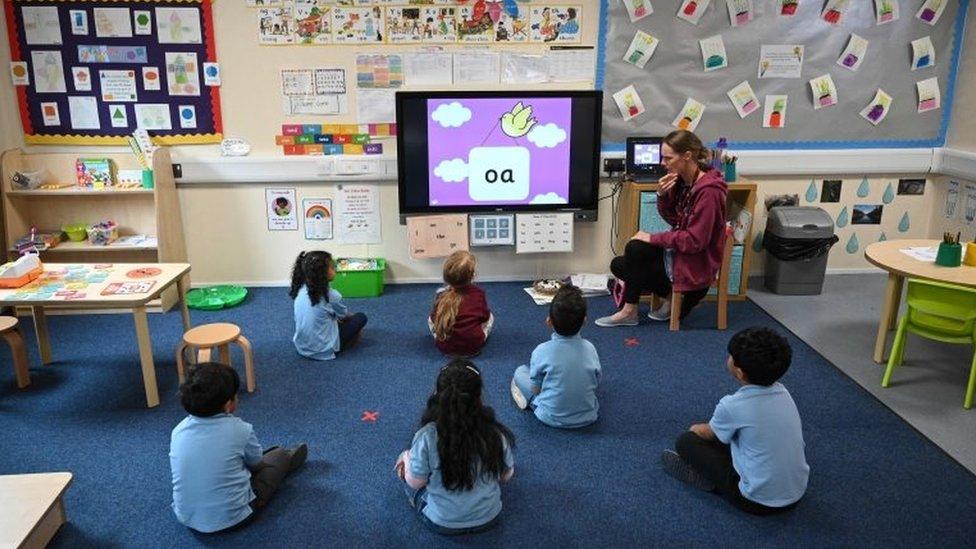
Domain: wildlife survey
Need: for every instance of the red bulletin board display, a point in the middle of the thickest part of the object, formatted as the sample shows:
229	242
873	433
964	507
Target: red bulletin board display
89	72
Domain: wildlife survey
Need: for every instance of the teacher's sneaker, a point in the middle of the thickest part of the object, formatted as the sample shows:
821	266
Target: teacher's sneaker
662	313
610	322
679	469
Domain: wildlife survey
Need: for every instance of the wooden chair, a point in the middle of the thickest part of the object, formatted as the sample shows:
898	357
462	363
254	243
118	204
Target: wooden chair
220	335
721	284
8	327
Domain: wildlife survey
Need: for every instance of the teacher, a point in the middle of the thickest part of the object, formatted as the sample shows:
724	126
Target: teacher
691	198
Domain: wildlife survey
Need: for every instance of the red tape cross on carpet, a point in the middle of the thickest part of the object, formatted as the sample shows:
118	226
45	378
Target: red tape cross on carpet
370	416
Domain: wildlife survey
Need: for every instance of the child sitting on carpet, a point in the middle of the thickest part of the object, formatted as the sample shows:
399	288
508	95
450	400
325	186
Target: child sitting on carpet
561	379
460	320
751	451
458	457
220	475
323	324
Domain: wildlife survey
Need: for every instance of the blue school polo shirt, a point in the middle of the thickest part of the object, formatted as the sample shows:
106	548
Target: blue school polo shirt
211	483
567	369
317	326
454	508
762	426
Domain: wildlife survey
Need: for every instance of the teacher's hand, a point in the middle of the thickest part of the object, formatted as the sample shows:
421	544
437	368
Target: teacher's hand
643	236
666	183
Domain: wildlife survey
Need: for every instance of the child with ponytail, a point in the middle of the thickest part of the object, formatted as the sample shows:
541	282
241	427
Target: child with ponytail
460	320
459	457
323	324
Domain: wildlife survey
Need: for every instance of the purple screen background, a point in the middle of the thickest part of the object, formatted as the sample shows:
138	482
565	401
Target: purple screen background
549	169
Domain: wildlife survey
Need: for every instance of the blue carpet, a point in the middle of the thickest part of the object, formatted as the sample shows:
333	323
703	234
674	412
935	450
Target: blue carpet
874	480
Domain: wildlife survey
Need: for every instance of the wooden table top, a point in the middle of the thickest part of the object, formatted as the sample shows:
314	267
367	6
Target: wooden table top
24	500
91	285
888	256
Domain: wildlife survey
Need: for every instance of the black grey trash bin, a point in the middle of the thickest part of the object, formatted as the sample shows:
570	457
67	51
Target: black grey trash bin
797	241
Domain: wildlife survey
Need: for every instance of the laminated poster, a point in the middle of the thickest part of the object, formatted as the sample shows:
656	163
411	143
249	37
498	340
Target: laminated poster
774	111
929	95
318	218
638	9
885	11
313	23
358	214
281	209
628	102
824	91
878	108
854	53
744	99
434	236
512	28
277	25
428	24
363	25
690	115
79	22
18	73
641	49
780	61
82	78
692	10
543	233
554	23
713	53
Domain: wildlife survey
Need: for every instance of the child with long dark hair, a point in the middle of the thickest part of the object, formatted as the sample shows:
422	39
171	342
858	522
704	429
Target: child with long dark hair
323	324
460	320
459	457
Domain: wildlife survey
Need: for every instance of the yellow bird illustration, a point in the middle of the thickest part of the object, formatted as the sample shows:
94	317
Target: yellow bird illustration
519	121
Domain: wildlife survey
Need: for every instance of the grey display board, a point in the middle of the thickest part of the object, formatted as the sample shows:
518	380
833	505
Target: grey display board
675	72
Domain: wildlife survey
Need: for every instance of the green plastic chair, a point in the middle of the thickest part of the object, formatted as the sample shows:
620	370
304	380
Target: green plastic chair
939	311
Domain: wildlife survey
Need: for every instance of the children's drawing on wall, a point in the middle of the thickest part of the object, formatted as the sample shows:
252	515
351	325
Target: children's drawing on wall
513	150
313	23
885	11
824	91
358	25
923	53
48	71
740	12
512	28
690	115
692	10
744	99
713	53
474	25
911	186
774	112
830	191
628	102
970	213
929	95
153	116
834	11
638	9
182	73
780	60
952	198
555	23
178	25
41	25
788	7
641	49
867	214
878	108
112	22
416	24
931	11
276	26
854	53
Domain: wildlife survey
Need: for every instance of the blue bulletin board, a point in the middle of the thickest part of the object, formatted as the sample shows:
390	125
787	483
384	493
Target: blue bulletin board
90	72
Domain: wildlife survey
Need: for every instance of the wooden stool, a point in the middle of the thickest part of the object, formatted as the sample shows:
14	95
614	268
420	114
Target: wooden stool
219	335
8	327
721	284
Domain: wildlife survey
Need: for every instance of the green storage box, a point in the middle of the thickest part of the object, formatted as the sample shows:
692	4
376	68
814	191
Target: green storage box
351	281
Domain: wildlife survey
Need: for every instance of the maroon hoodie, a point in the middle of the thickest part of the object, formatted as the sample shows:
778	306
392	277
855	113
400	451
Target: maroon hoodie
468	337
697	235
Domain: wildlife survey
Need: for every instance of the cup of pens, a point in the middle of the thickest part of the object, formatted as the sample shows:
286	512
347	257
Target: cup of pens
950	251
728	166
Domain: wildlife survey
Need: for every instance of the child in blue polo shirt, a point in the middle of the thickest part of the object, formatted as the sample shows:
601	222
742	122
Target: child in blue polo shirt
752	450
220	475
561	379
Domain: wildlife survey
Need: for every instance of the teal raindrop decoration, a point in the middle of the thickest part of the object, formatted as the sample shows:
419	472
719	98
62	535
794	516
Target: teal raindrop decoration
889	194
852	244
864	189
883	237
842	218
757	244
904	224
812	192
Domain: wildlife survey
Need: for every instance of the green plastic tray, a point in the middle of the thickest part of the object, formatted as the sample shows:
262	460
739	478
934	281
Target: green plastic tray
215	297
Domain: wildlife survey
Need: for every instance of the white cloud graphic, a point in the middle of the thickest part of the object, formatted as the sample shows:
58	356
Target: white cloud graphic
452	171
547	136
451	115
549	198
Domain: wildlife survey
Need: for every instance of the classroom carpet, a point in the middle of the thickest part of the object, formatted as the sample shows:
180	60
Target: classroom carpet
874	480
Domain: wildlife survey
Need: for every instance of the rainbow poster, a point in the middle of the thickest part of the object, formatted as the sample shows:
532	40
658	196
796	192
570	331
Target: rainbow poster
318	218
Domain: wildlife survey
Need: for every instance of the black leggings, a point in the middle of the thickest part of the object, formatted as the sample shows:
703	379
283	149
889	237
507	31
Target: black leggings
642	268
713	460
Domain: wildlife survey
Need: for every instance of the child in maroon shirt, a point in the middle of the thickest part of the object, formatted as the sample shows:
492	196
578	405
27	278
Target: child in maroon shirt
460	320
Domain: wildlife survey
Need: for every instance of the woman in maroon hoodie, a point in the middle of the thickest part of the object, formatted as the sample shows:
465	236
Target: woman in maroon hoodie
691	198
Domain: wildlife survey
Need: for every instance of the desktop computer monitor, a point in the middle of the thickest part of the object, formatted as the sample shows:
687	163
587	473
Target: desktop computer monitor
644	158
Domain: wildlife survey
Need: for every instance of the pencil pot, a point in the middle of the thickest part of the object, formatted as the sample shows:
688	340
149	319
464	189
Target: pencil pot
970	257
949	255
730	173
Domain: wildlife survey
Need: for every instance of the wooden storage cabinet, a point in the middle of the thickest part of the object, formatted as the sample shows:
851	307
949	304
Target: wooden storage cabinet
153	212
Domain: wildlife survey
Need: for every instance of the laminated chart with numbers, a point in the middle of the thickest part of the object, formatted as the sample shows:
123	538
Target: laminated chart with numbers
543	232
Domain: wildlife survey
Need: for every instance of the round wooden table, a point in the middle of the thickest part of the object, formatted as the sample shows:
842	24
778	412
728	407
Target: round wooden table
888	256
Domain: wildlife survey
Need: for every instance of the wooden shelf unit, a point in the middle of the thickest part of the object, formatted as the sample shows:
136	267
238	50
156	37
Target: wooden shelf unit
154	212
741	196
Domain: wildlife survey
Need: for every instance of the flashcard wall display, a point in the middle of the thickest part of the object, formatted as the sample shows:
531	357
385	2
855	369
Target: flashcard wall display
113	67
